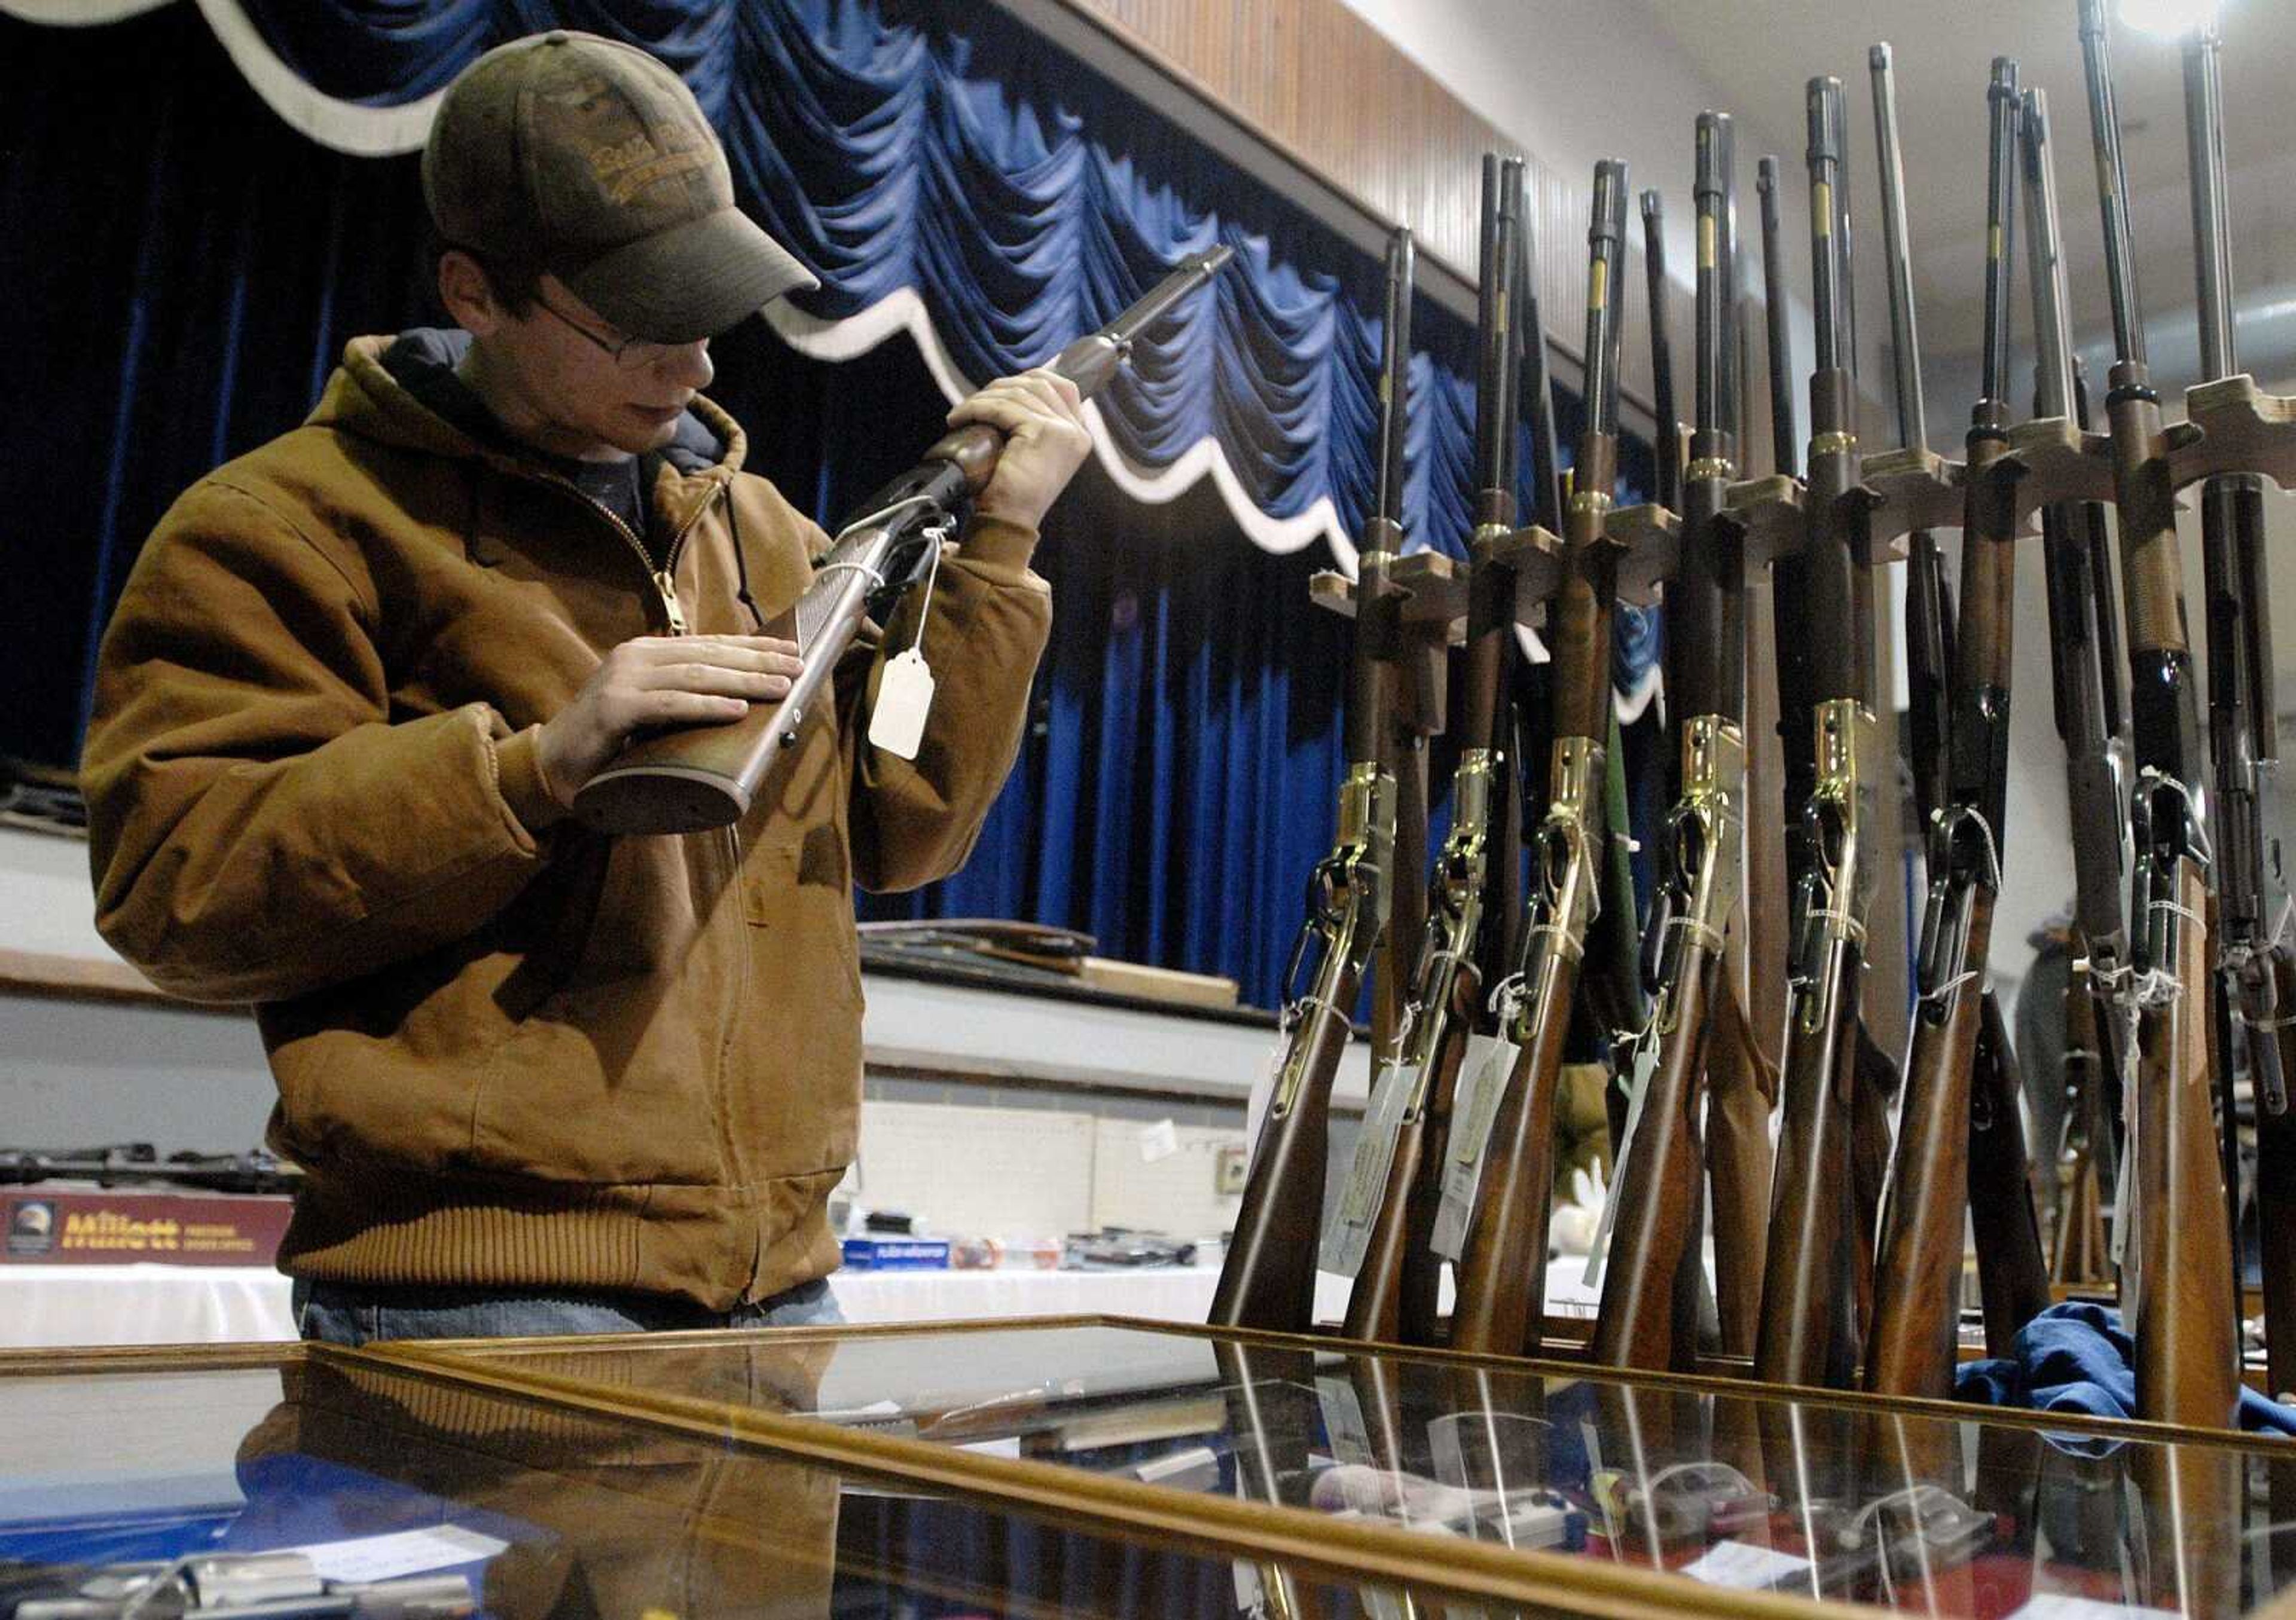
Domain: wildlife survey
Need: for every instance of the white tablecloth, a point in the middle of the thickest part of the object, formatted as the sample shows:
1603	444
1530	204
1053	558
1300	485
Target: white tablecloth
173	1304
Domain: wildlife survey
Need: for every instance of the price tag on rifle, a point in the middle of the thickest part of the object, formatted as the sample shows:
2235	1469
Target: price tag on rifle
1263	1093
905	696
1598	1251
1483	1073
1350	1236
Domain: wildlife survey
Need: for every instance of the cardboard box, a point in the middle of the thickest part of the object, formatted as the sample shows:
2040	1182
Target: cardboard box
73	1223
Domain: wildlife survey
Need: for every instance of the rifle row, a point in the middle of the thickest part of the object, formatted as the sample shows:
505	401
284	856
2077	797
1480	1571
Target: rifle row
1509	954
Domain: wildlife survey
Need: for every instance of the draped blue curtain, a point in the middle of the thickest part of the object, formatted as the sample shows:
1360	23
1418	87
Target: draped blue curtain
182	269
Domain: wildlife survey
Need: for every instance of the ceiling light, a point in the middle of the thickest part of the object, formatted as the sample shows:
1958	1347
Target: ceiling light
2166	18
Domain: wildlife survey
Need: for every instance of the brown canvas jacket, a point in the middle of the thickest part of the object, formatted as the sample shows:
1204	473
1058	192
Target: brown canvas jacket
511	1051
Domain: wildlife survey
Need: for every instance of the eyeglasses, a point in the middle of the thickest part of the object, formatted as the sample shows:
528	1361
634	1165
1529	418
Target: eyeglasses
630	353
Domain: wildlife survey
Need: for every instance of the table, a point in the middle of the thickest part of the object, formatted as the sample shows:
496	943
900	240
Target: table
48	1305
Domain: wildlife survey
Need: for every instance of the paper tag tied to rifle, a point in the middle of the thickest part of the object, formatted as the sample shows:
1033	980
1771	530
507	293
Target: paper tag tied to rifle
1483	1073
904	695
1350	1237
1644	1064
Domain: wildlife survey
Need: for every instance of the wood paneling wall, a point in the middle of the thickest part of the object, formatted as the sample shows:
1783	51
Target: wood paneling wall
1330	93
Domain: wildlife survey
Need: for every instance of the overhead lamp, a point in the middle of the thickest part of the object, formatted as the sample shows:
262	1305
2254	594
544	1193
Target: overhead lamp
2166	18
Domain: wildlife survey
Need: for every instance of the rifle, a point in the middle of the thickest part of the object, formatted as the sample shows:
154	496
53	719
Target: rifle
2243	735
1503	1275
1267	1280
135	1163
1668	438
697	777
2187	1349
2086	686
1813	1279
1918	1267
1388	1247
1649	1315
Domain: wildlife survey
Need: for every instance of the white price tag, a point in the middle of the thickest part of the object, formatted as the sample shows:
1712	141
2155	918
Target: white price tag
1158	1141
1350	1237
1483	1070
1263	1093
1742	1567
905	696
2072	1606
406	1553
1645	1066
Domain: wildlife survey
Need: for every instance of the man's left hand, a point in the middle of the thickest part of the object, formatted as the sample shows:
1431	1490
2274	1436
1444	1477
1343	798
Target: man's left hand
1041	415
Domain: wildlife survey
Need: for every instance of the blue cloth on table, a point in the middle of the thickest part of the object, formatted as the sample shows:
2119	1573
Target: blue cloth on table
2075	1357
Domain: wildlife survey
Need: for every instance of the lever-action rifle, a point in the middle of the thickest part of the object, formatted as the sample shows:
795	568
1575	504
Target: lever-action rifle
1812	1275
1387	1246
2173	1295
705	776
1649	1315
2253	959
1503	1273
1915	1304
1268	1279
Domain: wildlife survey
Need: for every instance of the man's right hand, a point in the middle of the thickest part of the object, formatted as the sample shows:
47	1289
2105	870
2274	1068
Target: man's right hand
657	681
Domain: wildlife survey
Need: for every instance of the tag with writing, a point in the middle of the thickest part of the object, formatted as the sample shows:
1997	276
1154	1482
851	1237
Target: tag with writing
905	696
2071	1606
1742	1567
1158	1141
1343	1418
1483	1071
1263	1093
403	1552
1597	1252
1350	1236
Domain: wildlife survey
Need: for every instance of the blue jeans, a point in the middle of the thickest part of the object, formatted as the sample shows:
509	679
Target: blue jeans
350	1313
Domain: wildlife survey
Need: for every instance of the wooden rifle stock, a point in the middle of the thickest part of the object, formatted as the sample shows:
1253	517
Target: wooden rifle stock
2013	1270
697	777
1267	1280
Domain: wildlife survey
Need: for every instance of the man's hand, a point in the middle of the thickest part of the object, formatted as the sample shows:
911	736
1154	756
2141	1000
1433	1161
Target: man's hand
656	681
1041	415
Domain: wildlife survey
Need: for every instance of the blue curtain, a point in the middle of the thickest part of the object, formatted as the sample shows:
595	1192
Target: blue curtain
183	269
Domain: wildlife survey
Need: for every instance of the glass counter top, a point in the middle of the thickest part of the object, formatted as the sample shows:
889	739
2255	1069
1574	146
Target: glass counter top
1747	1489
334	1469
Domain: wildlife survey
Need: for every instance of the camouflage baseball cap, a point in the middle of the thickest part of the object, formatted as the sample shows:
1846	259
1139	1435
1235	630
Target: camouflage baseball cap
590	159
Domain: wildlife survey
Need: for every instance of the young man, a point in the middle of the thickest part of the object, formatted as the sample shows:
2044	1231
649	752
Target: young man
539	1079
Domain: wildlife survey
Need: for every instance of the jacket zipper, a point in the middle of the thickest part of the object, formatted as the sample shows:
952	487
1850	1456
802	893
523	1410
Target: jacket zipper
665	577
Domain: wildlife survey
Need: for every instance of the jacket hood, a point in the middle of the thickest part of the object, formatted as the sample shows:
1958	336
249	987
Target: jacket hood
373	394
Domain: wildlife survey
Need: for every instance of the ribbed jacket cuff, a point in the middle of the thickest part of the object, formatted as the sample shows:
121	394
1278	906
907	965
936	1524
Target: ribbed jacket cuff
518	768
998	549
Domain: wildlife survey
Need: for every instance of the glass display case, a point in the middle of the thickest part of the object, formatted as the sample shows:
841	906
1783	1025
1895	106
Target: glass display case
301	1482
1520	1484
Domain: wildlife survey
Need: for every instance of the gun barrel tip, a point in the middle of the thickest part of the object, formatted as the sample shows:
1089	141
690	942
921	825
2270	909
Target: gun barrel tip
1877	55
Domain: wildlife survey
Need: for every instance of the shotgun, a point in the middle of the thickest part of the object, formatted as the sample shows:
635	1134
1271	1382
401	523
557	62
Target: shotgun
1267	1280
1649	1313
1813	1278
699	777
1503	1275
2174	1294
